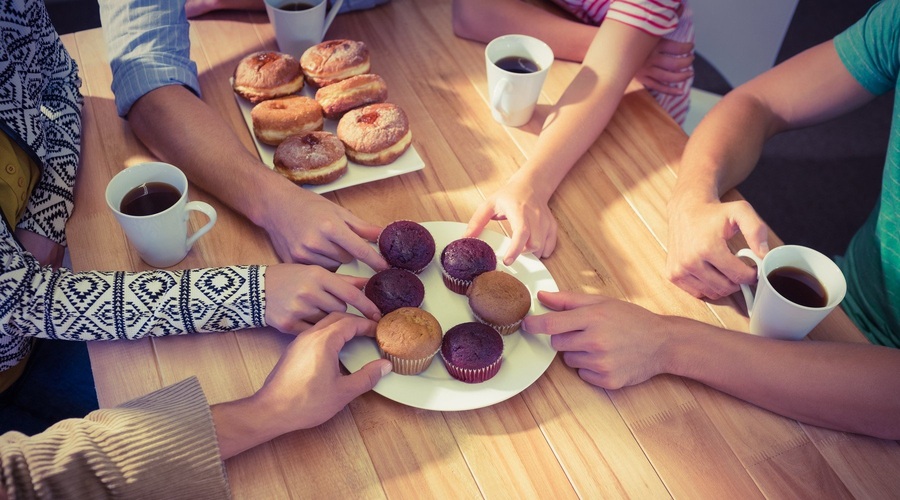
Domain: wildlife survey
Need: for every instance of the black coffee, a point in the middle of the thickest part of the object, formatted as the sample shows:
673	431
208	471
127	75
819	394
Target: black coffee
150	198
296	6
798	286
517	64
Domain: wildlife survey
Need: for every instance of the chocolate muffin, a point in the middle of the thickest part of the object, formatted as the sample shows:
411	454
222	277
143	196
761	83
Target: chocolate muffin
409	338
463	259
472	352
407	245
499	300
395	288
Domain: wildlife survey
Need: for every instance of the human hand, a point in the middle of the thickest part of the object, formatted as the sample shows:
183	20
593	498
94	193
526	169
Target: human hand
298	296
305	227
533	225
667	65
303	390
46	251
699	259
610	342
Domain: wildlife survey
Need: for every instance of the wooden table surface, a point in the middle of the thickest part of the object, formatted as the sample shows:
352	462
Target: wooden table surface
560	438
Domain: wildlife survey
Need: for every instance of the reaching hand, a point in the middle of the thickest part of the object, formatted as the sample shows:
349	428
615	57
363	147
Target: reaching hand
298	296
668	65
309	229
533	225
305	389
699	260
611	343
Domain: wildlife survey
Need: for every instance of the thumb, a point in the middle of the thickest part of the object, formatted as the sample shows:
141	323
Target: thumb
753	228
364	379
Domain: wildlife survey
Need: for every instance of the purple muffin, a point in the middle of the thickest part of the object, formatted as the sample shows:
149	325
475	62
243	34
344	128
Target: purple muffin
464	259
395	288
407	245
472	352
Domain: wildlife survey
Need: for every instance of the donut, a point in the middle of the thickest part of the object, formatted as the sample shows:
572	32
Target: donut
338	98
376	134
311	158
274	120
335	60
266	75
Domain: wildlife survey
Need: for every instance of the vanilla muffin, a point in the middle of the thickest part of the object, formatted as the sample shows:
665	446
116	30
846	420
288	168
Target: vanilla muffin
409	338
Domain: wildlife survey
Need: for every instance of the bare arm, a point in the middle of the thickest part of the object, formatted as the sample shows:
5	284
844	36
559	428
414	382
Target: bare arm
807	89
180	128
613	344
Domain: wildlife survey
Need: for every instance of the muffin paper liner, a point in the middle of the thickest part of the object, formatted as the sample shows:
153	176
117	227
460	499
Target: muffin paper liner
473	376
407	366
455	285
501	329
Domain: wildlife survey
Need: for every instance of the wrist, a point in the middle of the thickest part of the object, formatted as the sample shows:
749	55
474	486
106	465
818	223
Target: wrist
243	424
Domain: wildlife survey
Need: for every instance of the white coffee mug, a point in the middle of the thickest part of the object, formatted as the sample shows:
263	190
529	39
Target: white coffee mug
773	315
298	30
513	94
160	238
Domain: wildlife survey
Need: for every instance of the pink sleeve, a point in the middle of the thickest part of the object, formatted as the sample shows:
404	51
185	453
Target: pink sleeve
656	17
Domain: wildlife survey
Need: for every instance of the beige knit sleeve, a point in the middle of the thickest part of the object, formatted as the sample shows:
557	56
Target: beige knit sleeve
162	445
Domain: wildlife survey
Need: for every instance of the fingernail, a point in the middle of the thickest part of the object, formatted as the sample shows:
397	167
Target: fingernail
764	247
386	368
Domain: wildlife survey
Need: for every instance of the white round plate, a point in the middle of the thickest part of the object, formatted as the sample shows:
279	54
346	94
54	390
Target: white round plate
525	356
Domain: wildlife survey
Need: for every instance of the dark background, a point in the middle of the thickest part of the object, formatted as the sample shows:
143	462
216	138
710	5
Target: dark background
814	186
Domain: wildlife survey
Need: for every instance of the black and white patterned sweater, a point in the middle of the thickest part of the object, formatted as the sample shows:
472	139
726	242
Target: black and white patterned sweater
40	109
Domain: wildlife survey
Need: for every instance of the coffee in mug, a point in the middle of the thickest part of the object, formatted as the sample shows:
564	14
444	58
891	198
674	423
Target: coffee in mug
296	6
798	286
517	64
149	198
150	201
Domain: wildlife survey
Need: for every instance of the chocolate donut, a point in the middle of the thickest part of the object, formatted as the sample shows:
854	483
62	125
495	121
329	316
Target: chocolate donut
335	60
338	98
275	120
311	158
266	75
376	134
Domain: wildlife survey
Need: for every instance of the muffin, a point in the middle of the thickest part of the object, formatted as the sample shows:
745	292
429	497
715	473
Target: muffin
462	260
499	300
407	245
395	288
472	352
409	338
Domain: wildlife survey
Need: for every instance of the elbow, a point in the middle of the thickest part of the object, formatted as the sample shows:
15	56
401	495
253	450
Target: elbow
464	19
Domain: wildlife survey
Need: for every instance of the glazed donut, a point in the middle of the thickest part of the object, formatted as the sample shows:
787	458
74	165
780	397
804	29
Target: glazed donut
376	134
311	158
266	75
338	98
335	60
274	120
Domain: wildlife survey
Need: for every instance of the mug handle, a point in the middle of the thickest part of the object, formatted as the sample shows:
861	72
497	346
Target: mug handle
748	295
499	90
330	17
205	208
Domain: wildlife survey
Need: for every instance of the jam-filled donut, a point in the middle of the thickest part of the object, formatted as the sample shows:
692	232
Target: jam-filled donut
335	60
275	120
376	134
311	158
267	75
338	98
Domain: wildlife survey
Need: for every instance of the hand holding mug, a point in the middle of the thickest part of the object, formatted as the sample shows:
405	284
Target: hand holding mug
796	288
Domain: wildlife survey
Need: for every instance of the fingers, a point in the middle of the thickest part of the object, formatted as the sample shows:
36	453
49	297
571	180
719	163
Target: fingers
357	247
483	214
364	379
519	240
348	289
564	301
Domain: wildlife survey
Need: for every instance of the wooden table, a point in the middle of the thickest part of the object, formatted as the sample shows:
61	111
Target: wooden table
560	438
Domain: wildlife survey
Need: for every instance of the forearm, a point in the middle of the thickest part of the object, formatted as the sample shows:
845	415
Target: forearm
241	425
183	130
849	387
483	21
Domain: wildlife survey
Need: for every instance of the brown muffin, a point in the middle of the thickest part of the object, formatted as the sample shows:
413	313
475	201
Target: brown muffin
499	300
409	338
